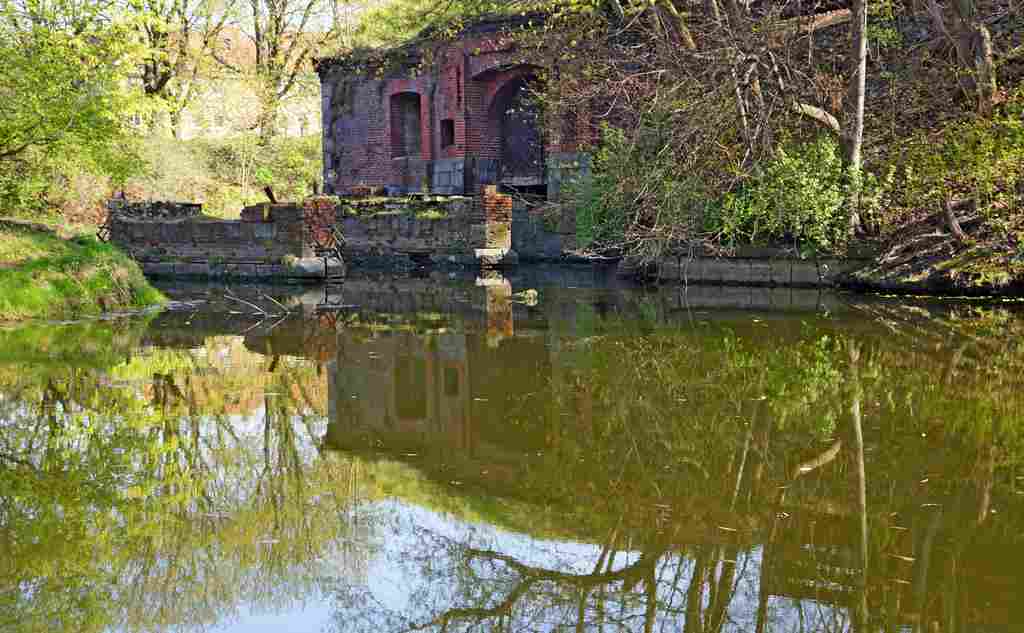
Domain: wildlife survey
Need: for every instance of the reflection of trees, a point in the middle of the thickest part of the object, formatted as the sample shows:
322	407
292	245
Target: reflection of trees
140	496
474	582
822	468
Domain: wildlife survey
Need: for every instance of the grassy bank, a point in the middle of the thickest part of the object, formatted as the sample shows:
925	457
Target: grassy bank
46	275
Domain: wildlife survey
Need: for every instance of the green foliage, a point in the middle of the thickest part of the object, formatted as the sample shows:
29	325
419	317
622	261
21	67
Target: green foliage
979	158
65	98
394	21
642	194
882	29
637	188
797	197
228	174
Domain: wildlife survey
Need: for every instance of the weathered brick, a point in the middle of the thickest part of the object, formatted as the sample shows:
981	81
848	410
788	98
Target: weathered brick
435	125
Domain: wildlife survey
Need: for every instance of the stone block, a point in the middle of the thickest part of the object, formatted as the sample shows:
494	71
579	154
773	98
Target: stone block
669	269
477	235
264	231
714	271
204	232
285	213
781	298
805	273
158	269
781	271
218	231
270	270
256	213
760	273
193	269
240	270
232	231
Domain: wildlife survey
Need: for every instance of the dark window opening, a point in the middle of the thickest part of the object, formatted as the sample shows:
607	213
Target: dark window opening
405	125
411	388
458	87
447	132
451	382
531	193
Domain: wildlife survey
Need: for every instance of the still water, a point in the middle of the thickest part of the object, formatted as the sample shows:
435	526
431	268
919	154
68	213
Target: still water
534	453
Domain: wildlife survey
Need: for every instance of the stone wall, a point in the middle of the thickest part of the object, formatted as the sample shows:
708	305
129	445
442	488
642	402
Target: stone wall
475	231
292	240
279	236
271	240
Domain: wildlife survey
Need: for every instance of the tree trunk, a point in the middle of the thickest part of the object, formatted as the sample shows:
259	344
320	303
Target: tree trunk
268	120
175	118
861	486
952	222
985	69
974	53
679	24
855	117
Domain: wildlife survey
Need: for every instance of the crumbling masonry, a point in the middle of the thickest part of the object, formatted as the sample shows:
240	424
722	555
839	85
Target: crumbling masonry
444	117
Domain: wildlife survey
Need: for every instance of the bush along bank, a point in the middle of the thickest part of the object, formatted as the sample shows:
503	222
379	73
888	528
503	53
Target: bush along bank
43	275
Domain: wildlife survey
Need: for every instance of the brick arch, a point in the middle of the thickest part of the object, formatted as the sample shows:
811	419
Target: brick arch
512	134
497	77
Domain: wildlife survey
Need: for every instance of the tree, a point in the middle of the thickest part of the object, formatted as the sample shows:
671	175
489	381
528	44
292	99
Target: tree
64	92
960	26
285	36
179	36
854	137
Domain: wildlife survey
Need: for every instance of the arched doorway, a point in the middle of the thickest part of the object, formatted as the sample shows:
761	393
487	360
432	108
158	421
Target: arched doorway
405	125
516	115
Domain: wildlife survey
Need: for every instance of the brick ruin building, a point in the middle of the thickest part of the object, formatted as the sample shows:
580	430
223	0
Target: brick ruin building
445	117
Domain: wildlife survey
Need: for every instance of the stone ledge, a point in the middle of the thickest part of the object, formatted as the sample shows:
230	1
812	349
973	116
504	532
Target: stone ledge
745	271
308	269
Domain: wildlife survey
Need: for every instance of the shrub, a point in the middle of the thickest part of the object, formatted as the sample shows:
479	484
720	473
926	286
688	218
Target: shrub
643	199
638	197
797	197
980	159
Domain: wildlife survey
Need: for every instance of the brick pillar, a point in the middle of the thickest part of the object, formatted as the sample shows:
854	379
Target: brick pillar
319	220
497	217
490	228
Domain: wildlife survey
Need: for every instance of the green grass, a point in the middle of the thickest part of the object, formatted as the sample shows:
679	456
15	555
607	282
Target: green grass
19	245
44	276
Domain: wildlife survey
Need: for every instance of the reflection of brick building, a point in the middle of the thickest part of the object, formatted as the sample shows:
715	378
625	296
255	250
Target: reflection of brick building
398	384
444	117
445	395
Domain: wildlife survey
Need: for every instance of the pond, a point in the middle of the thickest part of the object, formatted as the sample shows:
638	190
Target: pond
547	451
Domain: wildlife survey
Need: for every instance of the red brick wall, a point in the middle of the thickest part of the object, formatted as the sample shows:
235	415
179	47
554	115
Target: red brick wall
460	85
497	217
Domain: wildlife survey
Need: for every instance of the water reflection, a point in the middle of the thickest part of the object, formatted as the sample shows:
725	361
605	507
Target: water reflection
457	455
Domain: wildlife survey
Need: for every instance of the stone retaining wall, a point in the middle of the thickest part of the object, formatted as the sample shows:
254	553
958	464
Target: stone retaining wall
765	267
475	231
302	241
270	241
